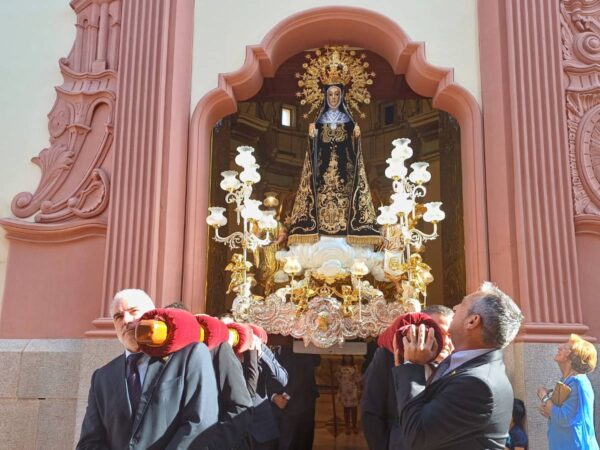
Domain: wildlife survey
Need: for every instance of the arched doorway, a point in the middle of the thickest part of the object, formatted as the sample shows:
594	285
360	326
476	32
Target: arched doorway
311	29
314	28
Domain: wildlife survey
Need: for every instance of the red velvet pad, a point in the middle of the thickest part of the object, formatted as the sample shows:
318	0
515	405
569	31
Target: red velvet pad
398	329
215	331
259	332
244	336
183	329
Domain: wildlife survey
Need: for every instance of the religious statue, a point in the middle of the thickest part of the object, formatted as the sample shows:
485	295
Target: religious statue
334	198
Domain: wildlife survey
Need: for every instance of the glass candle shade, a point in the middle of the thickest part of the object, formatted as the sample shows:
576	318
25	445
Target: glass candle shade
386	216
216	218
419	174
251	210
396	168
229	182
434	213
245	158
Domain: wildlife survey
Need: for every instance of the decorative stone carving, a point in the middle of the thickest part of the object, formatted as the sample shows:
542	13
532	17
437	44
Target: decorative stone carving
75	168
580	29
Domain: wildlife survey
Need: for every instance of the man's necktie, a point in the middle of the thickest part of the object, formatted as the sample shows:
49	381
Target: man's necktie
134	386
441	370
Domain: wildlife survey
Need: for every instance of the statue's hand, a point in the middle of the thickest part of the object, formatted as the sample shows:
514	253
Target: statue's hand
356	131
312	130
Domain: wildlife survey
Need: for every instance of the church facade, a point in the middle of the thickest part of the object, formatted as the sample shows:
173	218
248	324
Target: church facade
136	94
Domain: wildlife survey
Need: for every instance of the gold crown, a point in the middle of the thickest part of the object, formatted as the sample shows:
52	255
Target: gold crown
335	65
336	72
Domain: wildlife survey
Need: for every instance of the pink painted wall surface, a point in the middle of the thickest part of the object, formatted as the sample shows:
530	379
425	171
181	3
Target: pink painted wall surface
55	264
53	281
529	166
588	252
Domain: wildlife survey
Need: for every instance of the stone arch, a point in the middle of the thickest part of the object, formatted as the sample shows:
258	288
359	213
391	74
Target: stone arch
315	28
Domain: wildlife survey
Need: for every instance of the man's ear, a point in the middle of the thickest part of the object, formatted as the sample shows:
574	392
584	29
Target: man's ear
473	321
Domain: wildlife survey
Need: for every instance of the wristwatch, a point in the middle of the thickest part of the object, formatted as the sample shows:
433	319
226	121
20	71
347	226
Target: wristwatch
546	397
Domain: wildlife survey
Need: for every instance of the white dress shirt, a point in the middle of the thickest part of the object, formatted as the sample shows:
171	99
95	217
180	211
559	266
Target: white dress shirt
463	356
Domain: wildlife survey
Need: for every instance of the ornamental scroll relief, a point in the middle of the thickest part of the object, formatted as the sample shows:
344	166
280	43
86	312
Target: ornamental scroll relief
75	168
580	36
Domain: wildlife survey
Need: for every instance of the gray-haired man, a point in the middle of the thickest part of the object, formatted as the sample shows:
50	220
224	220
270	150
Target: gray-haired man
468	403
138	402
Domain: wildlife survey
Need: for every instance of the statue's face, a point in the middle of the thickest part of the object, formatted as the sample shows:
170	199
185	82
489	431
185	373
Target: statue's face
333	96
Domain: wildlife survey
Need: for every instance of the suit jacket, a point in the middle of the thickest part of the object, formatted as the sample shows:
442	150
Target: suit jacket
302	386
468	408
178	403
272	377
378	404
297	420
235	403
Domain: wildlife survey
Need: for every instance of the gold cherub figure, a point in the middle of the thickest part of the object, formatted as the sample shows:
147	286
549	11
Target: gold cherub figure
349	298
238	266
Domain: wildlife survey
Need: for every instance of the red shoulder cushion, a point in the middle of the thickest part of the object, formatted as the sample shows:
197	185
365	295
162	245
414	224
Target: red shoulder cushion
259	332
398	329
244	336
215	331
182	330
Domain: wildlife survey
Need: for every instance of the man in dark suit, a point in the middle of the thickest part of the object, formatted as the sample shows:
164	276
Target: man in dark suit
271	377
378	403
235	402
296	404
468	402
138	402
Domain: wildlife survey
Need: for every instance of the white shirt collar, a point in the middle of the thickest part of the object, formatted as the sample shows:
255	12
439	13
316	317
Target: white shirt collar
463	356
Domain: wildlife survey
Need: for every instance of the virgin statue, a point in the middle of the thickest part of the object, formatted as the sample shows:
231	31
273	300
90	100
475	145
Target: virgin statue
334	198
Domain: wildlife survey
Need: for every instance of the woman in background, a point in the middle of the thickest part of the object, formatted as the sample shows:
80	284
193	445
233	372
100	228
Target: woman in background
571	424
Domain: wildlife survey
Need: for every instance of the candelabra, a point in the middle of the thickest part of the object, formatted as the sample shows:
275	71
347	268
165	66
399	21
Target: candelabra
239	192
403	241
333	302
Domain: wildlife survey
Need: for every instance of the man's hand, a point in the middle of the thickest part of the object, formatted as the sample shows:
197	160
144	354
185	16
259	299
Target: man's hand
546	408
356	131
312	130
280	401
541	393
397	356
256	345
420	345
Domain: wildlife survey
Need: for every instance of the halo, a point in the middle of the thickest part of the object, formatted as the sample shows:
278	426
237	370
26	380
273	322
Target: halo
335	64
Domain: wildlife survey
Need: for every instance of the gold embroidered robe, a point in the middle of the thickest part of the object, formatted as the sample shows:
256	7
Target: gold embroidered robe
334	198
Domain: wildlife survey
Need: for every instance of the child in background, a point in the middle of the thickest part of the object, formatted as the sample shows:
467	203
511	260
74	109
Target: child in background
348	377
517	438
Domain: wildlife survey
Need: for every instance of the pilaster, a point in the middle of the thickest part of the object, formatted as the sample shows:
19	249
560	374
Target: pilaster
145	227
530	212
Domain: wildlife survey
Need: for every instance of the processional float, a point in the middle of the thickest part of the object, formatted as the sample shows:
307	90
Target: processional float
326	288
